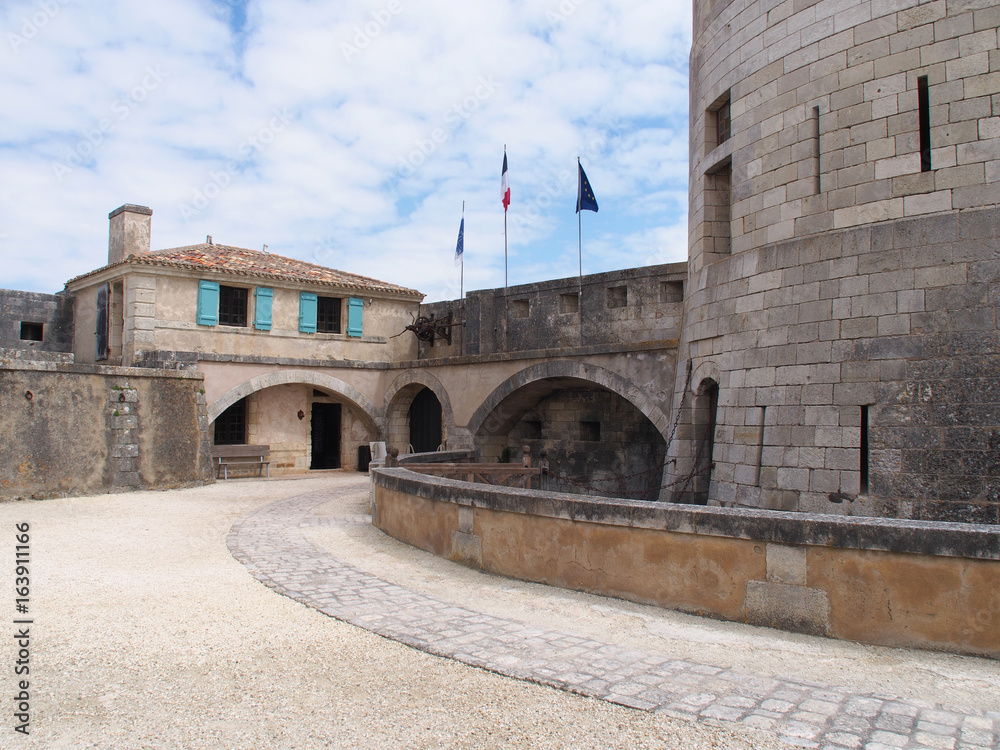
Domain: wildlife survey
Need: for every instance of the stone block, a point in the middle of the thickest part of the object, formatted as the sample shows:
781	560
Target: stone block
467	549
795	608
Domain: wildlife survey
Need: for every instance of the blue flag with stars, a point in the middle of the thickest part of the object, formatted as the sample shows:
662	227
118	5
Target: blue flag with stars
460	247
585	200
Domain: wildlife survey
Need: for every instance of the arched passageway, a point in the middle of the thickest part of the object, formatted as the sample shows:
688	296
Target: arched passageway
598	442
309	420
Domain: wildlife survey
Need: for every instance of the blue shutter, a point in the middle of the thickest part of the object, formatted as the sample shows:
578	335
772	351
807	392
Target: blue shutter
355	307
208	303
262	312
307	312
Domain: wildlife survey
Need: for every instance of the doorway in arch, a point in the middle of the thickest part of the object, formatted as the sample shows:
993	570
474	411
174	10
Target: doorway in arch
425	422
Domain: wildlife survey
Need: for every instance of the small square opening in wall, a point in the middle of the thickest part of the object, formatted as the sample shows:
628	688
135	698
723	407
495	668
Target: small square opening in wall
569	303
590	431
618	296
522	308
31	331
532	429
671	291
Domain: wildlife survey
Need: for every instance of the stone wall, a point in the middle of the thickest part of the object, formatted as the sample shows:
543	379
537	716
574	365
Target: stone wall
880	581
633	305
51	313
75	429
896	323
841	306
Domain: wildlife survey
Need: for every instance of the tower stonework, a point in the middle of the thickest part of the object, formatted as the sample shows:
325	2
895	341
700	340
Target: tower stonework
844	272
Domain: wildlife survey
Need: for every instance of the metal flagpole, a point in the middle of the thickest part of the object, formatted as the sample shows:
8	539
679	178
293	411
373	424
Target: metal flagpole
461	284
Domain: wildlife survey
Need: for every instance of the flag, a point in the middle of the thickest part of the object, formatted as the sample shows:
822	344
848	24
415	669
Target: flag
460	247
585	200
505	184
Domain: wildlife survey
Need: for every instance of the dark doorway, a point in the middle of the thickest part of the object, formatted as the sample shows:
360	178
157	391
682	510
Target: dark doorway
706	414
325	436
425	422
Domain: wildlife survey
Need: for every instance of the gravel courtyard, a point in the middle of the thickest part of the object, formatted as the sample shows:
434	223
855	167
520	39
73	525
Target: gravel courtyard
147	633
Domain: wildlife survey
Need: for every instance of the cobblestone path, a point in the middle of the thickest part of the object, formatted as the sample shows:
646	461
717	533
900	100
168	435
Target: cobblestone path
273	547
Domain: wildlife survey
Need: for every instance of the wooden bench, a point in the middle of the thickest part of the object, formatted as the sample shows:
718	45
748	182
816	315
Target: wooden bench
224	456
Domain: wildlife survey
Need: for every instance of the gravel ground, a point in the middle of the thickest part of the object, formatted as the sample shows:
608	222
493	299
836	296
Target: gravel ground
147	634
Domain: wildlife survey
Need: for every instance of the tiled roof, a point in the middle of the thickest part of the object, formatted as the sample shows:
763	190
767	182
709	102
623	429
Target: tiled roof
239	261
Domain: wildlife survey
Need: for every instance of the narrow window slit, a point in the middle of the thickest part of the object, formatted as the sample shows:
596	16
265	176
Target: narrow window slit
864	451
924	106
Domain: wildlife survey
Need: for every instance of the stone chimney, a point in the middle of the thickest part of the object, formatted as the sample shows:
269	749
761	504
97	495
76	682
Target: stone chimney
129	233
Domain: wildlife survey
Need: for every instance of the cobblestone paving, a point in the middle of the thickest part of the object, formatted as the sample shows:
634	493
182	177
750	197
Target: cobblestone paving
271	544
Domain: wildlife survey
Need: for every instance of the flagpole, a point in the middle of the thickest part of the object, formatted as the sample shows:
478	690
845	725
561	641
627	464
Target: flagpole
579	227
461	284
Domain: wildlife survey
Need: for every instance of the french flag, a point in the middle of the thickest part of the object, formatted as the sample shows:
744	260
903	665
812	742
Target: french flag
505	184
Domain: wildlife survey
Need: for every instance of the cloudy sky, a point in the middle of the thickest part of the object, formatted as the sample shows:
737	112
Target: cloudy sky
346	133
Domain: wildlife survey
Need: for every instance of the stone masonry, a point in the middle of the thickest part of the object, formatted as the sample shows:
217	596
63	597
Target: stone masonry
843	283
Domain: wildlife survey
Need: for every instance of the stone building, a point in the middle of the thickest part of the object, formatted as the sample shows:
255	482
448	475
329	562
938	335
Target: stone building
831	346
844	267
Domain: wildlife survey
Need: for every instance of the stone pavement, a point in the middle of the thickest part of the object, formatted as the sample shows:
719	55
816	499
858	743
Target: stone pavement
273	547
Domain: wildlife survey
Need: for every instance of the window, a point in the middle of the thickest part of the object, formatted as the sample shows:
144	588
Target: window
232	306
328	314
723	122
590	431
864	467
671	291
324	314
718	123
522	308
924	106
103	331
618	296
569	303
31	331
718	207
231	425
532	429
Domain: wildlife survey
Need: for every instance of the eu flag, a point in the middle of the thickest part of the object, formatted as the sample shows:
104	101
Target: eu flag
460	247
585	200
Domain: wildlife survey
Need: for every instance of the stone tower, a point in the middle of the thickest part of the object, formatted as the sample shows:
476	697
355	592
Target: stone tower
844	271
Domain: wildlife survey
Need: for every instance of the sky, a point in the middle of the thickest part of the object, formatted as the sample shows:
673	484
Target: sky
346	133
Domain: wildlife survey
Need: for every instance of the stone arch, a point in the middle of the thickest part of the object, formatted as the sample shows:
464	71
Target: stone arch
365	407
565	369
400	395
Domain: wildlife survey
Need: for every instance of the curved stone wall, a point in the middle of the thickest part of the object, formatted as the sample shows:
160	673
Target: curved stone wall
880	581
844	274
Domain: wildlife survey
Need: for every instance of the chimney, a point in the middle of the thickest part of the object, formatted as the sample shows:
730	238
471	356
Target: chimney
129	233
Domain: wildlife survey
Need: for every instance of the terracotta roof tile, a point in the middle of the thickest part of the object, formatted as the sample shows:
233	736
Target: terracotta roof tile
238	261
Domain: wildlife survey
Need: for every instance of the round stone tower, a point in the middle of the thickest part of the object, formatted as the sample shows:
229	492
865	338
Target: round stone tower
844	269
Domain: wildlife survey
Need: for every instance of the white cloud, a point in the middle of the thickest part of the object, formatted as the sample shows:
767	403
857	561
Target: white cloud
346	133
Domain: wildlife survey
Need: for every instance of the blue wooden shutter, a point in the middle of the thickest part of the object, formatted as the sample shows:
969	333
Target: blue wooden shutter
355	307
208	303
307	312
262	312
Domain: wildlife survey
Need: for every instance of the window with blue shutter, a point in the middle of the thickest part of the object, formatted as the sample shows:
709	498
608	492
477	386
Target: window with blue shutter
307	312
355	307
262	311
208	303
